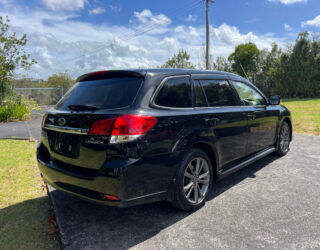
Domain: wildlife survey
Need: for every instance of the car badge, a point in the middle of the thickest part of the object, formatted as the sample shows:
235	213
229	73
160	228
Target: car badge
61	121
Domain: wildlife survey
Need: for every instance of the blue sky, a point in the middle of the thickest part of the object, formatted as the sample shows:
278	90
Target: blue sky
86	35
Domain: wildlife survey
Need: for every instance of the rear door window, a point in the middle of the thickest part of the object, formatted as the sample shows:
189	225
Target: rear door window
218	92
175	93
200	99
103	94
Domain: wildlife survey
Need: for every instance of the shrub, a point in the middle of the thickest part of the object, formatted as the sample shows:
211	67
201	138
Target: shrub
16	108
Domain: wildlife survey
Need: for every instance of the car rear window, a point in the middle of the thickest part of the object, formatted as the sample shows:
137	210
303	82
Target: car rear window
103	94
175	93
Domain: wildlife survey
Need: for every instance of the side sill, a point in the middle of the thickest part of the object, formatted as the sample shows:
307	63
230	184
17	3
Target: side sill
223	173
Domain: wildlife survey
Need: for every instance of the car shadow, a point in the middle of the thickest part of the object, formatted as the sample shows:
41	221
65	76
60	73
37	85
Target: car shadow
88	225
247	172
23	225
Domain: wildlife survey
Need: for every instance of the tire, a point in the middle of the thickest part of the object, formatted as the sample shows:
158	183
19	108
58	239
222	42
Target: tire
283	141
194	181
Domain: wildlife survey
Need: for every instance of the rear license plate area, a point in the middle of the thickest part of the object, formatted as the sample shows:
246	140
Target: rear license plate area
65	144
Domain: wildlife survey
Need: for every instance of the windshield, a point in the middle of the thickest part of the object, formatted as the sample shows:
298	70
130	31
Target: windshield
102	94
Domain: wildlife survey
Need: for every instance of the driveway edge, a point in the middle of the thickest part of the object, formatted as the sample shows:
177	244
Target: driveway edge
63	241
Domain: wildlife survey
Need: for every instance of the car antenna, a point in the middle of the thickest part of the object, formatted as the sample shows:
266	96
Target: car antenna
243	70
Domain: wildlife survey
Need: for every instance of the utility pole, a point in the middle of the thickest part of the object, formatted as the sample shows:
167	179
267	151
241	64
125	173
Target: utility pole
208	33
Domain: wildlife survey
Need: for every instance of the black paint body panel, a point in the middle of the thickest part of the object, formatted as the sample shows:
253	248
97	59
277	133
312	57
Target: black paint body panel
144	170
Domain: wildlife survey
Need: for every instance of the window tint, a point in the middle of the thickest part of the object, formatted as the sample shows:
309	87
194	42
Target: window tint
248	95
176	93
218	92
200	99
103	94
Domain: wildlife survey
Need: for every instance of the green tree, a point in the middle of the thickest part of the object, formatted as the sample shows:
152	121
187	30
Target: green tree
222	64
303	67
314	61
180	60
63	80
12	56
245	60
268	67
22	82
290	72
298	72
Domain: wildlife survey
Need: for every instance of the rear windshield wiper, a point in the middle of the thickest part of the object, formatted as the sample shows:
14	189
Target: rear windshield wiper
82	107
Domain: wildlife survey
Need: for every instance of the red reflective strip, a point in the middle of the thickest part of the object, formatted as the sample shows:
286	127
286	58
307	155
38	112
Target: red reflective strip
111	197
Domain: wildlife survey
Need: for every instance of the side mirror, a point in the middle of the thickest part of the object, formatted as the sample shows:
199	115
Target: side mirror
274	100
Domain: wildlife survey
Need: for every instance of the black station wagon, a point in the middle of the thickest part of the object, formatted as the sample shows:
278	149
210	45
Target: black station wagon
129	137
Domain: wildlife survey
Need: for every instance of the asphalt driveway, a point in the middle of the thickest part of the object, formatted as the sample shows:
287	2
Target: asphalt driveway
273	203
27	130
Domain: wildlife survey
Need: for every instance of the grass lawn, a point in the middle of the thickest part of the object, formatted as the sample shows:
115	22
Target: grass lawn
24	206
305	115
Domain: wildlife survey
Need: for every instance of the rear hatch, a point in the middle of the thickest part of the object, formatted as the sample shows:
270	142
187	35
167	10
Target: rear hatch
95	97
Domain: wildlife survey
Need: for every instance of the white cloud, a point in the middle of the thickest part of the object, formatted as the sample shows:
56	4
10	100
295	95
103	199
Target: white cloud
288	2
57	45
179	28
190	18
314	22
68	5
226	37
115	8
146	17
97	11
6	3
287	27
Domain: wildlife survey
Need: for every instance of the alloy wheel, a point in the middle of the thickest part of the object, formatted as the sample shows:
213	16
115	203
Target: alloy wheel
285	138
196	180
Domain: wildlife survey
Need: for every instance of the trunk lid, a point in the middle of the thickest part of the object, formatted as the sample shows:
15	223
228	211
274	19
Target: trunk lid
70	142
96	96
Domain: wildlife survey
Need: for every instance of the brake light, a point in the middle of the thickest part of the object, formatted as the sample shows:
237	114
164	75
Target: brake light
103	127
97	73
123	128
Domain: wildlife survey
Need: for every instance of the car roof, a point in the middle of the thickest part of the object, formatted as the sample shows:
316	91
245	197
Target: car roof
174	71
171	72
163	72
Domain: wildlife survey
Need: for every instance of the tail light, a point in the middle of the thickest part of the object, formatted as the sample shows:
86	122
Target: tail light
123	128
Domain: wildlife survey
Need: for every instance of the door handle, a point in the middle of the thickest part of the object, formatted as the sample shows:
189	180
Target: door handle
212	121
252	116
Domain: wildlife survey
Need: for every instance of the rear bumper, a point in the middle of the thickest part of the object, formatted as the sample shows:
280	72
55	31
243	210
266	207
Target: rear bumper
125	182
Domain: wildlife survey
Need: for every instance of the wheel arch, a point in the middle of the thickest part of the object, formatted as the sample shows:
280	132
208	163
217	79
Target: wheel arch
286	119
205	147
210	153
